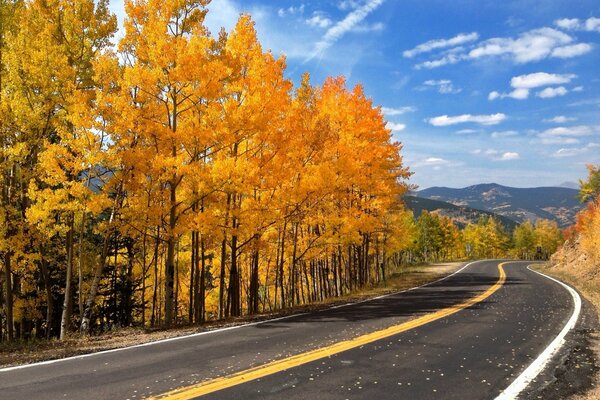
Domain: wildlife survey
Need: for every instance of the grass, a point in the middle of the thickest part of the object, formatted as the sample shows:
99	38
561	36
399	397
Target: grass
24	352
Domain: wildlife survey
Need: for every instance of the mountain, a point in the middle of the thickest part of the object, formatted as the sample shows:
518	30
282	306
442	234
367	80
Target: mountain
519	204
460	214
570	185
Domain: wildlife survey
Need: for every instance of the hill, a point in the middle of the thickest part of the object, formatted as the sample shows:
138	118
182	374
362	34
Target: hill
460	214
518	204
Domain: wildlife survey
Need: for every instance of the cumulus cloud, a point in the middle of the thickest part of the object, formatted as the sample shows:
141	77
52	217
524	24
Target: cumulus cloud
445	120
523	83
538	79
575	24
426	47
340	28
509	155
571	51
390	112
395	127
319	20
552	92
560	119
443	86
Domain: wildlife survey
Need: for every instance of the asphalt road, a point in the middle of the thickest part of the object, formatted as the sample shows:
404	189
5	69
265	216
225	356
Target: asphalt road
474	353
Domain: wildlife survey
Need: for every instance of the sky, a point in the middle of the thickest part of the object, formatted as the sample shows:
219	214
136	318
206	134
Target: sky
476	91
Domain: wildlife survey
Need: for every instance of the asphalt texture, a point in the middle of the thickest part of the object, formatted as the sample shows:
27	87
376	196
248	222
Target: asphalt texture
472	354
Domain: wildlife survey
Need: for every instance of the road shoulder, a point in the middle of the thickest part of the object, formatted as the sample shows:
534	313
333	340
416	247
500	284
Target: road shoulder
574	372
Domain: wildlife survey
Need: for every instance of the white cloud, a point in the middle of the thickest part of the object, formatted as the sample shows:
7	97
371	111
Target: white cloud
435	162
571	51
567	134
567	23
282	12
523	83
444	86
467	131
560	119
493	95
319	20
530	46
574	24
346	5
508	156
552	92
539	79
441	43
395	127
578	130
577	89
560	140
503	134
574	151
449	59
445	120
390	112
340	28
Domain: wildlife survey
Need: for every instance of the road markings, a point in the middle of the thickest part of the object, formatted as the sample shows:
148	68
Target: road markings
193	335
540	362
251	374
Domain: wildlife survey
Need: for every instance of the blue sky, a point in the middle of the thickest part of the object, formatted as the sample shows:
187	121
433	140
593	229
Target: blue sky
477	91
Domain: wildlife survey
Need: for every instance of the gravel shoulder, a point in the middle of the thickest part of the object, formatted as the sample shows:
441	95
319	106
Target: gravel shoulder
573	373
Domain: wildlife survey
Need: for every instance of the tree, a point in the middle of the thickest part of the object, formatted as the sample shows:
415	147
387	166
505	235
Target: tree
590	188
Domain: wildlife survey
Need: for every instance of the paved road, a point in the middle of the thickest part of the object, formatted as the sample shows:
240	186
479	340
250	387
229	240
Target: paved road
473	353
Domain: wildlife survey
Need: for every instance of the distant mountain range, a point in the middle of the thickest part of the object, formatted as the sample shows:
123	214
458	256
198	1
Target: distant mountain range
460	214
517	204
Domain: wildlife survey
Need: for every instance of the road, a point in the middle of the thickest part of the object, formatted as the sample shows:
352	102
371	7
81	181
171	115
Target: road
466	337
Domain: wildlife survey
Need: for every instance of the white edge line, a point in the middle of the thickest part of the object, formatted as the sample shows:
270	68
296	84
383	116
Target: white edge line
17	367
523	380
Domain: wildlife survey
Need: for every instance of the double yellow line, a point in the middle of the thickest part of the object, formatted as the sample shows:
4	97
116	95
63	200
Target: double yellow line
214	385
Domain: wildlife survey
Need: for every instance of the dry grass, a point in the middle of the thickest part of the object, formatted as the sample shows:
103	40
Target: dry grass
40	350
571	265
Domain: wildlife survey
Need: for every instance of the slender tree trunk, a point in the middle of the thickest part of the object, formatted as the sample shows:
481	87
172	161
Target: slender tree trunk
91	299
155	284
9	296
170	261
49	298
65	321
223	260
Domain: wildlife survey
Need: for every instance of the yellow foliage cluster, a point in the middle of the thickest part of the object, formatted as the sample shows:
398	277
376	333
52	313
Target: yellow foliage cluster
181	176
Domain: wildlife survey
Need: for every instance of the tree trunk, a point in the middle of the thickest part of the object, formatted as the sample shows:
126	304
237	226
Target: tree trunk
9	296
91	300
65	321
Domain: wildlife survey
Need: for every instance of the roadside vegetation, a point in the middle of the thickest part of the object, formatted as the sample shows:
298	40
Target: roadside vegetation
577	261
179	178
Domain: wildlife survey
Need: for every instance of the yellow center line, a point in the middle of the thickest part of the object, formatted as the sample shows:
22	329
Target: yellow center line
214	385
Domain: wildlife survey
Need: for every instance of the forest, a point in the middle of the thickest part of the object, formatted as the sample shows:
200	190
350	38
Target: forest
177	176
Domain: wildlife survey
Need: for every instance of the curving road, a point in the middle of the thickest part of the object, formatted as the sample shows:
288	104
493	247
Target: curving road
465	337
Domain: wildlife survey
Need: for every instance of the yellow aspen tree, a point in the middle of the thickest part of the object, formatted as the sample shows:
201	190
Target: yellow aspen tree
168	78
